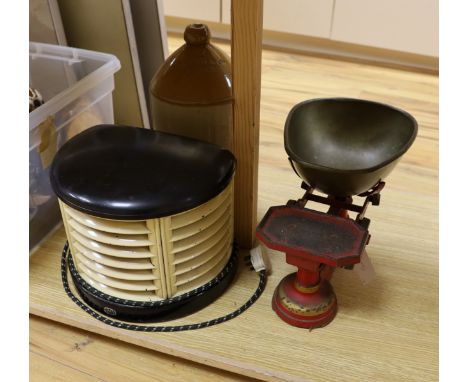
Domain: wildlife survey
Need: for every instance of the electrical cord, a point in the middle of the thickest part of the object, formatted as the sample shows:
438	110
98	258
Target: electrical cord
146	328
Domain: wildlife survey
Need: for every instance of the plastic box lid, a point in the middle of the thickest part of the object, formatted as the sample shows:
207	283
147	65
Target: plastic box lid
99	66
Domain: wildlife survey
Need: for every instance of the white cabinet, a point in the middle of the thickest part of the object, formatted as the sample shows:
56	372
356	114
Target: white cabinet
197	10
410	26
303	17
404	25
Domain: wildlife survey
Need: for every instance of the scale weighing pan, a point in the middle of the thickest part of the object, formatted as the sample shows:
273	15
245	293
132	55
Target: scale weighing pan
344	146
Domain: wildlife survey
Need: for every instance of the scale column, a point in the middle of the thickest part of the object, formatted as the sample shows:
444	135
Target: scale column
303	298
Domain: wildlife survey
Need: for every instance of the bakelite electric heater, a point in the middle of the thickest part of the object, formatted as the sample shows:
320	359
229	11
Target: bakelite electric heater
149	220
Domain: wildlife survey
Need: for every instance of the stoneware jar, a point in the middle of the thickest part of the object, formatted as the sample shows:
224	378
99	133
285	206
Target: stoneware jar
191	94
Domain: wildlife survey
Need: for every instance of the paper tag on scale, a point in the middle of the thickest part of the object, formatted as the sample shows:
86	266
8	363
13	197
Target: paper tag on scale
365	269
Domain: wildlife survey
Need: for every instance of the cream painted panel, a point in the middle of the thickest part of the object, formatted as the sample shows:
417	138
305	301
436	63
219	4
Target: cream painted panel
403	25
304	17
208	10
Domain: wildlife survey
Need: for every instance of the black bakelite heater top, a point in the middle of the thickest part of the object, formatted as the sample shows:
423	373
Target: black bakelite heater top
130	173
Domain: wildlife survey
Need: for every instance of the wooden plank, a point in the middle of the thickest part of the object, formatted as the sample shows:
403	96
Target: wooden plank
44	369
386	331
63	353
246	57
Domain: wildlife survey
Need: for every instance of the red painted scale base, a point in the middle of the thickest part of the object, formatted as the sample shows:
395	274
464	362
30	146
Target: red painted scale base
316	243
305	309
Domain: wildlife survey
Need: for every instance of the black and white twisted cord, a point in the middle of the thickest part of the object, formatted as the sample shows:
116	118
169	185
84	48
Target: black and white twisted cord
144	328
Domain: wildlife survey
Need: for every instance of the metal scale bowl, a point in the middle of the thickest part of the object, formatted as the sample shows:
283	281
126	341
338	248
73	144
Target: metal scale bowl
343	148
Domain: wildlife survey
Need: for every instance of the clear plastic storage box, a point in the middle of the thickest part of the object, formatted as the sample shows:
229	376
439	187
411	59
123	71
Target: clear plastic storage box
76	86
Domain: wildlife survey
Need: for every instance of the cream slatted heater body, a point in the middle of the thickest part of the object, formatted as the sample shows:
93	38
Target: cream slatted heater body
154	259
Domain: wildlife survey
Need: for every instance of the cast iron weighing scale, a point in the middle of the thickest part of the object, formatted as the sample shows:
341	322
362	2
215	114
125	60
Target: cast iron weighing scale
343	148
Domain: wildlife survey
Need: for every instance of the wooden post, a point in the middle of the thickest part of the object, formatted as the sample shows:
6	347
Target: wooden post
246	57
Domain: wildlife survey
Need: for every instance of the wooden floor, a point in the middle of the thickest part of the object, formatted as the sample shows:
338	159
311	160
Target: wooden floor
62	353
385	331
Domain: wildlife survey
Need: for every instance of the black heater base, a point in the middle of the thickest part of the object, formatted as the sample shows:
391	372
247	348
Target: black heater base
154	311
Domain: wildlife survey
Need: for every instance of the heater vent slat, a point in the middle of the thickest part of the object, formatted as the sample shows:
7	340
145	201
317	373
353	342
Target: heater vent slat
202	259
119	293
183	256
107	238
115	272
198	213
112	250
116	262
112	226
144	286
200	237
154	259
200	225
199	247
204	273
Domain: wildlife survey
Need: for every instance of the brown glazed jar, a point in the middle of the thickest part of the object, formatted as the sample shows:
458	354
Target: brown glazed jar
191	94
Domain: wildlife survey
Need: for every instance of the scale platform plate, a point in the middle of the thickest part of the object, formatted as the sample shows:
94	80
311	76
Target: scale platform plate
313	235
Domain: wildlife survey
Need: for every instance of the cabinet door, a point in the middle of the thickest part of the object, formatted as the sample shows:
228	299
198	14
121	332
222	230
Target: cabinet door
304	17
209	10
403	25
